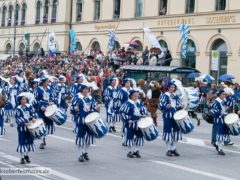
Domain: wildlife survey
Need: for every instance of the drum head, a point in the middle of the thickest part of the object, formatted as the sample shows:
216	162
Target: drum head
50	110
179	115
36	124
231	118
91	117
145	122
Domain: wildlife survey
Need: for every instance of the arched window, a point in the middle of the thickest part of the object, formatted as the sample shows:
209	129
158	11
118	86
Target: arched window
79	10
140	46
163	45
220	5
162	7
16	14
4	11
117	9
97	9
24	9
36	47
8	48
38	12
190	6
46	10
139	5
79	46
95	46
10	15
54	11
21	48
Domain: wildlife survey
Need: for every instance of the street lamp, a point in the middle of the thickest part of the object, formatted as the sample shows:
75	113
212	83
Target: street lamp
15	29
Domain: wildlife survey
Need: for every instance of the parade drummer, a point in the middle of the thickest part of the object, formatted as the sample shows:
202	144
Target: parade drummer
44	96
24	115
62	92
169	103
131	112
82	105
75	88
11	93
219	129
108	96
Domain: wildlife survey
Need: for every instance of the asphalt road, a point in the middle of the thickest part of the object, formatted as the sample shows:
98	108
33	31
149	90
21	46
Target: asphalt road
198	160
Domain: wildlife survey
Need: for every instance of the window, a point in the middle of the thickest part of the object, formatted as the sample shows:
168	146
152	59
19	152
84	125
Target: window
97	10
46	9
4	11
54	11
138	12
117	7
24	8
8	48
10	15
79	10
38	12
36	47
16	14
190	6
163	7
79	46
220	5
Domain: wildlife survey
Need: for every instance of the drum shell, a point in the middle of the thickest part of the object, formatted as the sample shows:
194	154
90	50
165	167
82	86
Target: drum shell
185	124
39	131
150	133
58	116
208	116
97	126
234	127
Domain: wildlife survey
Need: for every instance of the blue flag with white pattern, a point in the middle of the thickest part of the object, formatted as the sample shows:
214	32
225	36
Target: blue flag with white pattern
184	30
111	40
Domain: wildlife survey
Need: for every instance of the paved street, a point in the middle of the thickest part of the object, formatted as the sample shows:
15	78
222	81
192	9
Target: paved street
198	160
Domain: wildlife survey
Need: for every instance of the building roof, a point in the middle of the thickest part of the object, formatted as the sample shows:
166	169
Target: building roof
169	69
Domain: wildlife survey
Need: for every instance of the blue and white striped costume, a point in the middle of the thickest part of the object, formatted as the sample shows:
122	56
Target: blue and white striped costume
43	98
24	115
75	89
81	107
171	131
2	128
11	93
131	110
62	92
118	101
218	109
109	94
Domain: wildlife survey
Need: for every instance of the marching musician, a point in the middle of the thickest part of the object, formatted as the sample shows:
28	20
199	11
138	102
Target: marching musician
169	103
62	92
219	130
132	110
75	89
108	96
2	104
44	96
82	105
24	115
121	97
32	85
11	93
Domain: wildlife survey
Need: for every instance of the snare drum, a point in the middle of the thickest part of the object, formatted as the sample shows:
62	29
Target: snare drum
55	114
233	124
37	129
183	121
148	129
96	125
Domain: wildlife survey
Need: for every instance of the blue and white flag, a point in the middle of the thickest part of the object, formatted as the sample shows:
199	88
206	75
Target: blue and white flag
111	40
184	30
73	40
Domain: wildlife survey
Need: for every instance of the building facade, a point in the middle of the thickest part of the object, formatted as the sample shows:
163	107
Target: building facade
214	27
